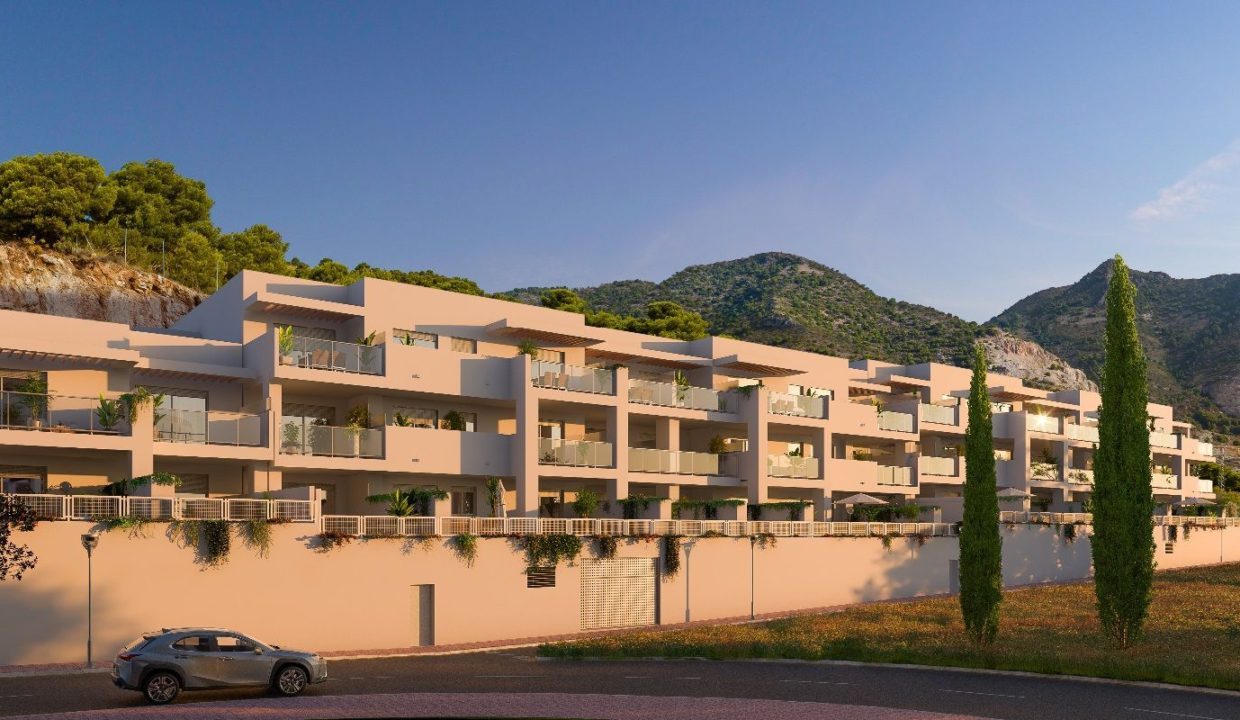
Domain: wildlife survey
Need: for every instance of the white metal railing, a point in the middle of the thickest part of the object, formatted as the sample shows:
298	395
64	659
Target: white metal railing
102	507
320	354
895	475
1086	433
559	376
929	465
792	467
209	427
650	392
1164	440
1198	520
895	421
1044	423
797	405
1045	518
388	526
578	453
300	438
60	413
680	462
938	414
1165	480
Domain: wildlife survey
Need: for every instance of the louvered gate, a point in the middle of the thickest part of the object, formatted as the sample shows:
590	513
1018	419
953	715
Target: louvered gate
618	593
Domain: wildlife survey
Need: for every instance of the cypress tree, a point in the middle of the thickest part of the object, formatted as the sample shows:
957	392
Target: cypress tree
1123	542
981	546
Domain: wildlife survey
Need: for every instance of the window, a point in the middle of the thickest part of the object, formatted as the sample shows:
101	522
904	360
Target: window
540	577
463	501
181	416
193	643
465	345
415	417
553	430
419	339
194	484
232	643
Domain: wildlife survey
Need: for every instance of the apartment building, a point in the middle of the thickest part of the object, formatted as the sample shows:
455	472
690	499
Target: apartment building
279	387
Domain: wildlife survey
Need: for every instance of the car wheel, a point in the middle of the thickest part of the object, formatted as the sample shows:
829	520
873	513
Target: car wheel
161	688
291	680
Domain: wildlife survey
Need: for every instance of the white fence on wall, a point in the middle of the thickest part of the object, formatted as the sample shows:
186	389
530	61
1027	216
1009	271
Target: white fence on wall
387	526
104	507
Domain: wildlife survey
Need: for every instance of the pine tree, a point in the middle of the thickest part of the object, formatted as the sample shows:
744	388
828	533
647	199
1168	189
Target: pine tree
981	546
1123	542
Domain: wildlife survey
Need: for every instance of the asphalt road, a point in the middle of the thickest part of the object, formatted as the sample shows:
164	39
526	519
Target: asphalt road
518	671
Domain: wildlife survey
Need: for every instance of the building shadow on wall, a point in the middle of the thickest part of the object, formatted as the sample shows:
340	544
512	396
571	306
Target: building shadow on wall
910	568
38	625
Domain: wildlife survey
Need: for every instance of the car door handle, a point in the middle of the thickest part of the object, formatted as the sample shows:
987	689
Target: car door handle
226	658
181	657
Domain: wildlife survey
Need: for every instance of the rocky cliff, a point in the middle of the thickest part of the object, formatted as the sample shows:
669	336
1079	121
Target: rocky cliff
1033	363
33	279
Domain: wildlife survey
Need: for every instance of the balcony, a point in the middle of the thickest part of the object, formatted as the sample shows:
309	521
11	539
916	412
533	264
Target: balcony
942	466
895	421
1085	433
792	467
1046	471
559	376
672	461
938	414
330	441
797	405
318	354
1205	448
209	427
1165	481
1164	440
1080	476
895	475
649	392
1205	486
575	453
1044	423
60	414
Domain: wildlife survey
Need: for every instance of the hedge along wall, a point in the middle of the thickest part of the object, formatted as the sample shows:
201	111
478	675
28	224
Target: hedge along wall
361	595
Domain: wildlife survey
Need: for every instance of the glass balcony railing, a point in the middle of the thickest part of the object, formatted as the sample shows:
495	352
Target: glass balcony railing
577	453
938	414
1205	448
559	376
209	427
1044	423
797	405
1080	476
319	354
1164	440
680	462
1165	481
1086	433
650	392
792	467
895	421
895	475
61	413
1205	486
945	466
330	440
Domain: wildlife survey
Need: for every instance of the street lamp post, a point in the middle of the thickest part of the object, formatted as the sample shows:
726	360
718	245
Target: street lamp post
89	541
688	547
752	542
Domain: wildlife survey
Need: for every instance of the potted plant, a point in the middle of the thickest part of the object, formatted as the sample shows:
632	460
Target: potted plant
284	339
682	385
33	395
357	420
367	340
108	414
453	420
292	438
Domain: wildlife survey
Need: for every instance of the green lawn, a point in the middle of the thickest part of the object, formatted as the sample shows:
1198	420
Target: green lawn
1192	636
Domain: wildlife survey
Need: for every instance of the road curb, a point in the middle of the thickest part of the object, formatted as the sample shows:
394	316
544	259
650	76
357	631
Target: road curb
899	666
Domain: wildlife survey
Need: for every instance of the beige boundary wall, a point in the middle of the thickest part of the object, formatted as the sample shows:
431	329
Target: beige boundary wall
362	596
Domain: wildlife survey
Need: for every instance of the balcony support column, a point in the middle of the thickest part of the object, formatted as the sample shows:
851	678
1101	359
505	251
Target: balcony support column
142	453
525	444
667	433
672	493
753	463
259	478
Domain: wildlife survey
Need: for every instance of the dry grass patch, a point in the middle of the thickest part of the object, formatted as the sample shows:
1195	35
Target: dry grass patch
1192	636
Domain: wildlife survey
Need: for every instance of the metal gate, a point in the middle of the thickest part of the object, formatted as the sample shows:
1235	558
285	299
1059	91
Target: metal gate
618	593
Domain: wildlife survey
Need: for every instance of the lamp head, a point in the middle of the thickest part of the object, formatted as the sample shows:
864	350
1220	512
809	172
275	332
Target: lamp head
89	541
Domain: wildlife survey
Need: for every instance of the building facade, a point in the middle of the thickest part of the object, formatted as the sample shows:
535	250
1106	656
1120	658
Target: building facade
283	388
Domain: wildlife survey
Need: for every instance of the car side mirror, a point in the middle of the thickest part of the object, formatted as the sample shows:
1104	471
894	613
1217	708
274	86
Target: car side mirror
258	651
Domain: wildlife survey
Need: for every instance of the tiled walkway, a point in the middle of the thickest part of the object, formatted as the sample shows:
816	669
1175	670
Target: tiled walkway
503	705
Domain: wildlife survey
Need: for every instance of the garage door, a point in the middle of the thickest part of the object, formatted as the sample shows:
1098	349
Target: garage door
617	593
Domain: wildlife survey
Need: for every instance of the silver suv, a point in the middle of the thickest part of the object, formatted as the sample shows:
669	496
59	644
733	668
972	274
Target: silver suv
161	664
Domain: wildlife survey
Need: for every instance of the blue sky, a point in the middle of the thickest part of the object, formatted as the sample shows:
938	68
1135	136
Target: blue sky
960	155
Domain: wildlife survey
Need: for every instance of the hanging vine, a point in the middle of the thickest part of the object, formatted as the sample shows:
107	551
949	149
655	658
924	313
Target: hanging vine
466	547
607	545
549	550
671	555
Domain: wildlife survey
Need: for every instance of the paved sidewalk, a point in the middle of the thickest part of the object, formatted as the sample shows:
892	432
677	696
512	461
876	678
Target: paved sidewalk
505	705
